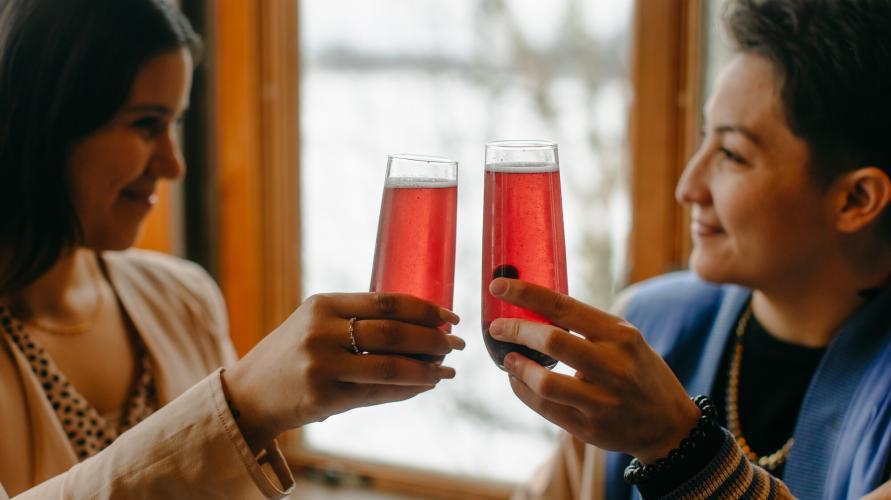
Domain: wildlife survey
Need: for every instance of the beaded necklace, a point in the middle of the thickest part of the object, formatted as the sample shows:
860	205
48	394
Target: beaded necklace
775	459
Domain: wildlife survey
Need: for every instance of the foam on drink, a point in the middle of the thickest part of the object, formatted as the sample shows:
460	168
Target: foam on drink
522	167
415	183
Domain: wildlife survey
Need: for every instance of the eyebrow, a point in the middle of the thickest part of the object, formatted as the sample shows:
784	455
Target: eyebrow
151	108
739	129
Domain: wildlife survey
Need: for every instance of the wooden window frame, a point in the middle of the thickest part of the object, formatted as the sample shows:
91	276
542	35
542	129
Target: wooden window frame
664	130
253	60
254	75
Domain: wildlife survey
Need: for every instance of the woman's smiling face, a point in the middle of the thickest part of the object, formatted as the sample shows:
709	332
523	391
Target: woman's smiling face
113	173
756	214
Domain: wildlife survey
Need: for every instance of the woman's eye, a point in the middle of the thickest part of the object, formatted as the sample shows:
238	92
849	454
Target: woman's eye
149	126
730	155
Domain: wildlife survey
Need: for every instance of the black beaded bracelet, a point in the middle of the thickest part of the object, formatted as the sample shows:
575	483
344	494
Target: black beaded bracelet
640	474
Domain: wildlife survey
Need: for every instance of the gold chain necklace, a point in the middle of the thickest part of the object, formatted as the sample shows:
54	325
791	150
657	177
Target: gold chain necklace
775	459
82	326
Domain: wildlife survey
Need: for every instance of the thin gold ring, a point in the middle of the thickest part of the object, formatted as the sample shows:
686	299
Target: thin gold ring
352	332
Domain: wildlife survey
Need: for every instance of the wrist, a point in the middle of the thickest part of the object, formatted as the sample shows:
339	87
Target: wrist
253	429
686	418
690	456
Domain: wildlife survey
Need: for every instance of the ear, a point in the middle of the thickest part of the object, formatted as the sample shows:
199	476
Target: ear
862	195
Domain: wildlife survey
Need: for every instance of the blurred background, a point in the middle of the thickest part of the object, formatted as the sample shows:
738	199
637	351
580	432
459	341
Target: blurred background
294	111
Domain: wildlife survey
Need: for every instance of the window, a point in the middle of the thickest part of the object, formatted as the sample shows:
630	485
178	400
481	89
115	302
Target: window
716	50
443	78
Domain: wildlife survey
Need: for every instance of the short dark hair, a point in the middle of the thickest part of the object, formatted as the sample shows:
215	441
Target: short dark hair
66	67
832	59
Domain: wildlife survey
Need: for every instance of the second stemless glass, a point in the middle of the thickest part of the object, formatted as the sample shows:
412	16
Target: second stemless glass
522	232
415	250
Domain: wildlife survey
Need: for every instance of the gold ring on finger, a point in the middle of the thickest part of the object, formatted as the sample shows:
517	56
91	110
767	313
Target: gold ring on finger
352	332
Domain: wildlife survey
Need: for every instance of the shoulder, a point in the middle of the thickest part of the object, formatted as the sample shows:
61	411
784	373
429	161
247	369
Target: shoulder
680	302
159	267
158	277
681	289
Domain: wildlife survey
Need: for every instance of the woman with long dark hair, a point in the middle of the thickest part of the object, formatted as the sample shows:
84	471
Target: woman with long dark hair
117	375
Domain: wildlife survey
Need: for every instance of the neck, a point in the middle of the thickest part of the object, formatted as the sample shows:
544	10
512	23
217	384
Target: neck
64	294
809	311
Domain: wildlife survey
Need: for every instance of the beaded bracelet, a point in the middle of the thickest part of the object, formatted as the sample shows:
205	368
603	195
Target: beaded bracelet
638	473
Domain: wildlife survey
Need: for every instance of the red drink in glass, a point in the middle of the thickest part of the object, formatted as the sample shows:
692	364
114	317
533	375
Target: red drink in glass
415	250
522	233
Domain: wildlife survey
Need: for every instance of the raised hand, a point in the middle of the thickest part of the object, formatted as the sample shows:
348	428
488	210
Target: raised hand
623	396
307	370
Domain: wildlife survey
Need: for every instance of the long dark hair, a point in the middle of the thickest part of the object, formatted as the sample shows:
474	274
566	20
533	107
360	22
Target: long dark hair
66	67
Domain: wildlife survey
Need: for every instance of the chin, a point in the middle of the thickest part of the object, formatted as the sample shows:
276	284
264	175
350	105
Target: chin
711	268
115	241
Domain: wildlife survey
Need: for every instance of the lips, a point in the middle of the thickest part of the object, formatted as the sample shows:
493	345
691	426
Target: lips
146	196
700	227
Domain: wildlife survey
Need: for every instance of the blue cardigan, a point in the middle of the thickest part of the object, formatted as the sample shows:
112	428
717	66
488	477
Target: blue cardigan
843	433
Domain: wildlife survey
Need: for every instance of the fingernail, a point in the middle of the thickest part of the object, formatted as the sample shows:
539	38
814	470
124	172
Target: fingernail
448	316
510	361
498	287
495	328
456	342
445	372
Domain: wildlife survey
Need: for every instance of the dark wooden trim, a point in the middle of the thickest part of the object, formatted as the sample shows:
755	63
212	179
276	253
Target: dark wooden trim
201	217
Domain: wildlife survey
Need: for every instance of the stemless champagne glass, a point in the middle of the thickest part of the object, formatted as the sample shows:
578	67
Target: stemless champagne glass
415	250
522	232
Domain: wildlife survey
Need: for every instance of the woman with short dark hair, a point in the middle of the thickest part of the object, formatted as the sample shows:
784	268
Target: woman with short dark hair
785	319
111	359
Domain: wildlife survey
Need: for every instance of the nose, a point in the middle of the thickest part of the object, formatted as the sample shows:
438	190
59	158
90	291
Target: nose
167	161
692	188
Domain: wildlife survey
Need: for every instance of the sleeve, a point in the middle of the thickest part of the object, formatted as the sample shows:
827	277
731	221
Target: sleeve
190	448
569	474
730	475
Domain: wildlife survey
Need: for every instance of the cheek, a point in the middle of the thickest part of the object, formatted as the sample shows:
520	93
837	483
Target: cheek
737	202
100	166
772	219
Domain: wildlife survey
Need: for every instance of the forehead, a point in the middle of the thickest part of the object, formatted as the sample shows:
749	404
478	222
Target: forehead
746	94
164	79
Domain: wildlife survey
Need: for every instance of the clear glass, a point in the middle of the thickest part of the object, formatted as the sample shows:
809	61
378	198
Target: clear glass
415	249
522	232
446	77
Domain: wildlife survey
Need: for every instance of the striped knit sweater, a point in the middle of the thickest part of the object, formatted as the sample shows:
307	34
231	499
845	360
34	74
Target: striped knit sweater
731	475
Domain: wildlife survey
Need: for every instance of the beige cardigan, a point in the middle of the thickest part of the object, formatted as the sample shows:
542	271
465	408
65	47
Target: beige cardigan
190	448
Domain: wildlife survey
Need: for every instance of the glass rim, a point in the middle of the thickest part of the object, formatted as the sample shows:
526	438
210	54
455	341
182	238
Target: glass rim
422	159
522	144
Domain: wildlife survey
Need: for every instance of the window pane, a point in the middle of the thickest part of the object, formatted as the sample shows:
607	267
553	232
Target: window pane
443	78
717	51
